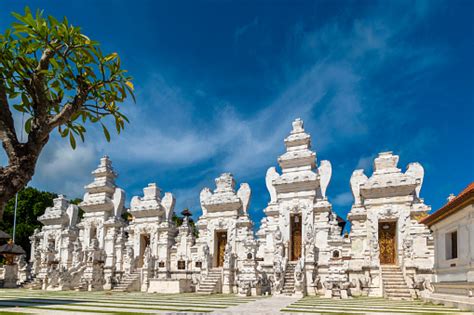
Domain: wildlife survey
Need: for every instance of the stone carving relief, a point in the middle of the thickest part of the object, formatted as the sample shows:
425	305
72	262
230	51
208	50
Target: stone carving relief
272	174
244	194
325	171
168	202
416	171
358	177
205	194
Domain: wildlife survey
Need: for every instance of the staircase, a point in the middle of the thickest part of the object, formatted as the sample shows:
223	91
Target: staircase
32	283
212	283
129	282
289	284
394	285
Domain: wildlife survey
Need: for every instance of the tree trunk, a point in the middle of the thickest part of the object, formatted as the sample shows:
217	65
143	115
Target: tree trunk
19	172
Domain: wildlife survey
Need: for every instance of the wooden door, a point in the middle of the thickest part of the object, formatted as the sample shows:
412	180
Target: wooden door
295	229
221	238
387	242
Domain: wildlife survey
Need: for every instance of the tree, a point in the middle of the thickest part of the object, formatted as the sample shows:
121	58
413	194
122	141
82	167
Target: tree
178	220
60	80
31	204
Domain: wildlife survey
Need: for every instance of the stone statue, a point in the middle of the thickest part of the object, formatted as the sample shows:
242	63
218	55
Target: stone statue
147	258
228	255
408	248
277	235
299	276
129	260
77	254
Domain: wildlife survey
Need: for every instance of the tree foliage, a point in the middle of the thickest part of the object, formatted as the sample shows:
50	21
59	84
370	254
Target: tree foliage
31	204
60	80
178	220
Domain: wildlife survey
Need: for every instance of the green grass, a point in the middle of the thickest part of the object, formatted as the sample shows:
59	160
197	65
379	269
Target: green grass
107	302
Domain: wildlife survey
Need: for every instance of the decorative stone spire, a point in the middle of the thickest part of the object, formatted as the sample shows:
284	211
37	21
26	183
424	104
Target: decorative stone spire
104	178
386	163
151	204
61	213
298	164
298	137
102	194
224	197
225	183
298	153
387	179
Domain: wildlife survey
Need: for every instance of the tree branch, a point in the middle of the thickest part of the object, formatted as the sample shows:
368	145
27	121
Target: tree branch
69	109
42	102
7	126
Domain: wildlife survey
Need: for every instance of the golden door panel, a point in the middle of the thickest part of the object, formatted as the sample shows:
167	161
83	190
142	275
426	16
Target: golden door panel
221	243
387	245
295	237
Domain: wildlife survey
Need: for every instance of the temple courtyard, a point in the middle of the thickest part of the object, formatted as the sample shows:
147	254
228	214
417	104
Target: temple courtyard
21	301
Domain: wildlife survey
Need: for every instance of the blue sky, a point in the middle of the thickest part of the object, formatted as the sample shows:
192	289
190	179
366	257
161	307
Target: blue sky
219	82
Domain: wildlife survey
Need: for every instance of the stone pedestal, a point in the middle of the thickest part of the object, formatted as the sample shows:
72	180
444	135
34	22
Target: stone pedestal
170	286
10	276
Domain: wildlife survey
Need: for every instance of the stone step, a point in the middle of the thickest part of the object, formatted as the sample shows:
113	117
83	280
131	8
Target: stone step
399	295
206	288
397	286
403	289
394	284
393	277
206	283
392	273
393	280
398	281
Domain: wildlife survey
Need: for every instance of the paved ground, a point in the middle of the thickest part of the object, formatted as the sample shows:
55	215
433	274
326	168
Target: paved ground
371	306
17	301
268	305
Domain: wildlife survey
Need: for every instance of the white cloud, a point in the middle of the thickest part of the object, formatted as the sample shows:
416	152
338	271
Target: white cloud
167	131
343	199
64	170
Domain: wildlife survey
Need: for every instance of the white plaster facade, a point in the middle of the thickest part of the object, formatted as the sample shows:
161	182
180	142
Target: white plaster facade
298	199
453	231
299	248
389	199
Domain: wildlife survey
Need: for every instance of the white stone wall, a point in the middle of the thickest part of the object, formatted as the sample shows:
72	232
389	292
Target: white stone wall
461	268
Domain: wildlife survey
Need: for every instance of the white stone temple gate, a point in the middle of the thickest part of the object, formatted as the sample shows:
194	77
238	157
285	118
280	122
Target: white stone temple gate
298	250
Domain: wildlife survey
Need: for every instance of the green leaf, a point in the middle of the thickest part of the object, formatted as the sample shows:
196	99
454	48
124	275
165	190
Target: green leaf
24	99
110	57
28	125
19	108
106	133
72	141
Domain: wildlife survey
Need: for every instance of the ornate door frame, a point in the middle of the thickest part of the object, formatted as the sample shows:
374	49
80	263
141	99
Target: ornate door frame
296	235
220	244
387	232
